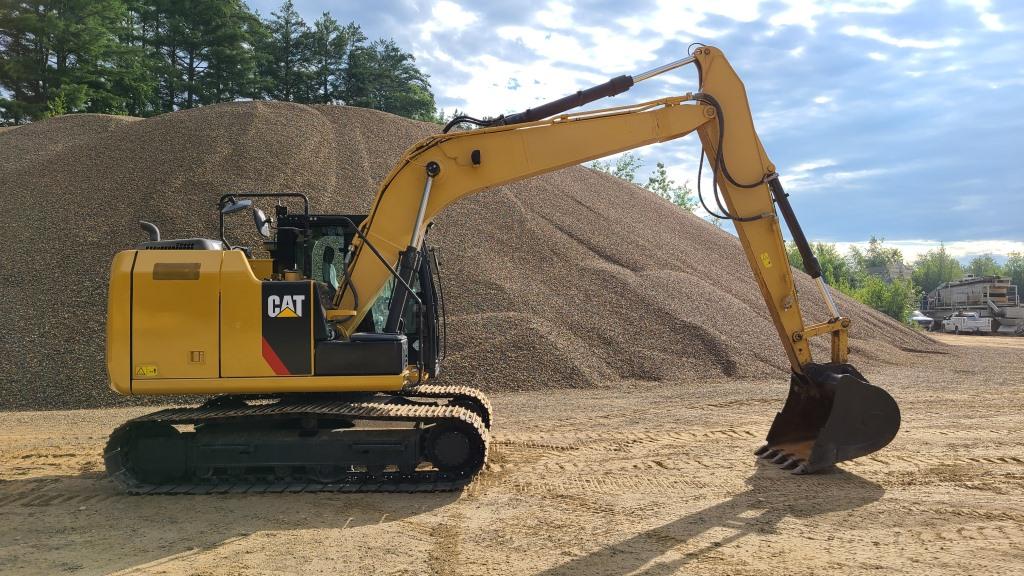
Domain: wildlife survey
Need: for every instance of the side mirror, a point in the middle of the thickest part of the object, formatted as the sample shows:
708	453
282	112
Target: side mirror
232	206
262	222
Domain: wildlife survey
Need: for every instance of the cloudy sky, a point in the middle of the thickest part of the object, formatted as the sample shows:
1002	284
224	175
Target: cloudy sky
888	117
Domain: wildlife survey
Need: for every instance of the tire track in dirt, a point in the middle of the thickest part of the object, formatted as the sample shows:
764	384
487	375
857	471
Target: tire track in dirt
53	493
533	485
639	451
446	539
925	460
586	440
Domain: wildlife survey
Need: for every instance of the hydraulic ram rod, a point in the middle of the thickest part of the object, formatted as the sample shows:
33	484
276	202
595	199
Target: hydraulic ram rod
615	86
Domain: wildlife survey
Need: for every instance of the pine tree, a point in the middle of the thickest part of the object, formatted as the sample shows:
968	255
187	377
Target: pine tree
383	76
145	57
286	60
329	48
22	62
67	56
231	68
204	50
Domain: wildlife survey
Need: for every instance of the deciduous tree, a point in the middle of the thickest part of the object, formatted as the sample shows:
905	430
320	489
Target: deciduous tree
662	185
984	265
935	267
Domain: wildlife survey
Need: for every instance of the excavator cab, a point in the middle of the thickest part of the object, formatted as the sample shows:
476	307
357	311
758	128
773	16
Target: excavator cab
317	246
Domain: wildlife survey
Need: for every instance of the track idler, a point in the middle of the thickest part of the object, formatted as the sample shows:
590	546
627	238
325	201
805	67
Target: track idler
832	414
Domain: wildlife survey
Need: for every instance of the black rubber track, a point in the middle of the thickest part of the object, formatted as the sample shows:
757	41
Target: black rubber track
464	396
119	468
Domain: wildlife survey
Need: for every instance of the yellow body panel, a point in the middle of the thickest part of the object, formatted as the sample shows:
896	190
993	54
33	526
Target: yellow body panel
175	327
262	268
272	385
240	322
155	327
119	322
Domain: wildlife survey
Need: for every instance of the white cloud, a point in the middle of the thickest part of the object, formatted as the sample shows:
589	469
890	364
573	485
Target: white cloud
805	13
884	37
871	7
988	19
822	99
992	22
556	15
739	10
590	47
814	175
798	13
674	20
878	56
798	51
447	16
959	249
812	165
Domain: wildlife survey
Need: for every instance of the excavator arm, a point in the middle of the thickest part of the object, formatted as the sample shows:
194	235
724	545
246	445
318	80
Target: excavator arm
832	413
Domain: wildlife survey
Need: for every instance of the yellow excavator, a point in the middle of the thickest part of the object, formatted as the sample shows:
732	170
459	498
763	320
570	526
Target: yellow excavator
320	361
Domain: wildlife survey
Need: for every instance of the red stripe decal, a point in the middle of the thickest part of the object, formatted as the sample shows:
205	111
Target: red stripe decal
271	357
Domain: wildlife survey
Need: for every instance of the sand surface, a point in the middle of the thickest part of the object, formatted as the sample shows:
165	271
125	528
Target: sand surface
640	479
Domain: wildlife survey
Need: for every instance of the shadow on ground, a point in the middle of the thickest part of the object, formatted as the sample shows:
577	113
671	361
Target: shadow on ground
772	496
104	530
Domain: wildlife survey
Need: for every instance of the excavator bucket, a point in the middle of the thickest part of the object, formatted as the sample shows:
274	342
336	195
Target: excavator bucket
832	414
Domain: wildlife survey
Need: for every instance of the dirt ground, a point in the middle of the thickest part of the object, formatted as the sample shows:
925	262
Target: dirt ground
640	479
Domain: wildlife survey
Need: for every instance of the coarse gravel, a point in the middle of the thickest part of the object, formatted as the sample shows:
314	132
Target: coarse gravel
570	279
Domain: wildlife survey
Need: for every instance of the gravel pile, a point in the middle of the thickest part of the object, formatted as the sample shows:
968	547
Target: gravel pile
572	279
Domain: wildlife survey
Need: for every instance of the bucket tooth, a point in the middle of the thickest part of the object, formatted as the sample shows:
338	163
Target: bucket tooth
782	457
791	464
772	453
760	451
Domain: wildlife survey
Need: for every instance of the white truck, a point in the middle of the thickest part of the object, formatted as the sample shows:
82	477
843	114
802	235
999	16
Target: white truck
967	323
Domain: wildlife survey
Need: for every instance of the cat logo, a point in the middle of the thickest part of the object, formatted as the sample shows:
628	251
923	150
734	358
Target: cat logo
287	306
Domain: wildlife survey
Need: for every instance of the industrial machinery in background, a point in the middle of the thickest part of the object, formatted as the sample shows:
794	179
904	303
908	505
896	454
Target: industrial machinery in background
319	360
994	300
